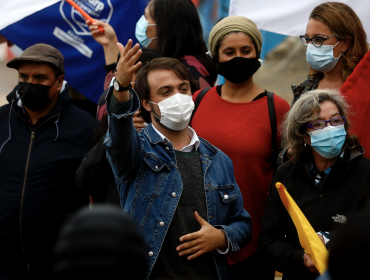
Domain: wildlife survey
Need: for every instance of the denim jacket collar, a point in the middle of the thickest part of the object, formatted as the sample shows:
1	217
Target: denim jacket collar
205	148
153	136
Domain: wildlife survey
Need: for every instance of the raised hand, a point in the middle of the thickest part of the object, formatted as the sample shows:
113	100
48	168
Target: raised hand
126	68
207	239
108	39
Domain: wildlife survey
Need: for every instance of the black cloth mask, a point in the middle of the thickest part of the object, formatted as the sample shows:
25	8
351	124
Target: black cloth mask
34	96
238	69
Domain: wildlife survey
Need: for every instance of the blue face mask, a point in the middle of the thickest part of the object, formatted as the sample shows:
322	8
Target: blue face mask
322	59
140	32
328	142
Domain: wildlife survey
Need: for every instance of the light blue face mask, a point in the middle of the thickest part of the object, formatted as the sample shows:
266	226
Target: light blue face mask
321	59
328	142
140	32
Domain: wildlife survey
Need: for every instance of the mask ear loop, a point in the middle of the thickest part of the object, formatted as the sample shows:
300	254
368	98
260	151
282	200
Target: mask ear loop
51	86
341	54
152	24
336	44
155	115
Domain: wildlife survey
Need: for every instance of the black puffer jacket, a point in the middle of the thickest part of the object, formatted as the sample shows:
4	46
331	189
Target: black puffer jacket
37	186
344	190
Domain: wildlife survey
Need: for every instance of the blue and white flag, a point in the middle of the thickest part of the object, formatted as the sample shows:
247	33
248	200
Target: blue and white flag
60	25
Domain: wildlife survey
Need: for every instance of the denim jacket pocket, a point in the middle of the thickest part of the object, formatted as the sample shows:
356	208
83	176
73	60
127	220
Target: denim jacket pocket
228	195
154	163
149	181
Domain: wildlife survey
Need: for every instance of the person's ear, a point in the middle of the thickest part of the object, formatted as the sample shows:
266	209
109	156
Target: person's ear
59	82
146	105
307	139
346	43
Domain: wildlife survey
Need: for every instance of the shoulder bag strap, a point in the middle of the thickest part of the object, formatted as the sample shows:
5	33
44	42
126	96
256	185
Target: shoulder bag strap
273	123
199	98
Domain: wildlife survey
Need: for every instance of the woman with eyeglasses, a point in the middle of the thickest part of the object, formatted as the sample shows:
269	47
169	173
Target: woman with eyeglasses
328	178
336	42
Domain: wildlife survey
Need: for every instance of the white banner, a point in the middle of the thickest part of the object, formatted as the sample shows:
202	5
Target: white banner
14	10
290	17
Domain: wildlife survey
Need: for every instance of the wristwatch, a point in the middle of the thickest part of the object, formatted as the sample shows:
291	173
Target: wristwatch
118	87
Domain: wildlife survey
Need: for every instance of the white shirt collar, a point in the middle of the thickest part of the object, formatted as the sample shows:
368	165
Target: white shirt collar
194	142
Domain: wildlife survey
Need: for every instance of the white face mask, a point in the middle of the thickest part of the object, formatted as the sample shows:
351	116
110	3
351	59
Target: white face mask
175	111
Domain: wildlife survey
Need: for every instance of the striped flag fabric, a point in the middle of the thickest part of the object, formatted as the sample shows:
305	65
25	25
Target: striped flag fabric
57	23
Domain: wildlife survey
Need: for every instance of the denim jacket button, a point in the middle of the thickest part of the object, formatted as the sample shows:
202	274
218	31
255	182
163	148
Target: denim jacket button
150	254
226	196
156	167
167	149
173	194
161	224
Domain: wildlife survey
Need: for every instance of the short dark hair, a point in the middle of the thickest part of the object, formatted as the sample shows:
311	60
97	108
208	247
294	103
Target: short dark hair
179	31
142	86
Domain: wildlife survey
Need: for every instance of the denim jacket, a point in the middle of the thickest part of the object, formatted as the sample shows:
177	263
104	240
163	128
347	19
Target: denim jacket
150	185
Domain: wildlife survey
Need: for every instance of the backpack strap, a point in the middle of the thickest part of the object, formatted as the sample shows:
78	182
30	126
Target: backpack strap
273	123
199	98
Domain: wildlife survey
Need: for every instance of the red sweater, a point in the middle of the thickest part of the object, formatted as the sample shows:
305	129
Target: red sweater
243	132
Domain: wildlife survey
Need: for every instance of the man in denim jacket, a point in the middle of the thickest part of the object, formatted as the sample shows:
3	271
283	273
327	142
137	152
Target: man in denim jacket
178	188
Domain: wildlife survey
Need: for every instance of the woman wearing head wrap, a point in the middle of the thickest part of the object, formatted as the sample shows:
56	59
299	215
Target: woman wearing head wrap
235	118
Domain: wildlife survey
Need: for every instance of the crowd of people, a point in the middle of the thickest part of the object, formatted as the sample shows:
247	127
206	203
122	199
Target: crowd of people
180	173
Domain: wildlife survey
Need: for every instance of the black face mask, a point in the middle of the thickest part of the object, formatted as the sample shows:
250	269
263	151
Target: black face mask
35	97
238	69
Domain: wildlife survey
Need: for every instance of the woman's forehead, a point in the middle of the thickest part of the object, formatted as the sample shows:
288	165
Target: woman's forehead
327	110
236	39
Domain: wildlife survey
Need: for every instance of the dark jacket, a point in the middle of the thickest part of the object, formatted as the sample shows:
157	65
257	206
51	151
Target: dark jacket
96	177
37	181
343	191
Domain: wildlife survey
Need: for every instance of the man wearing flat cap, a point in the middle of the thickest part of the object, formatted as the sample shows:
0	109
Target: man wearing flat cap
42	141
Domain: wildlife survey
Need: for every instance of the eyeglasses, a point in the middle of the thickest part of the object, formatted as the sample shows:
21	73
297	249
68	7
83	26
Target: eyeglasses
322	124
316	41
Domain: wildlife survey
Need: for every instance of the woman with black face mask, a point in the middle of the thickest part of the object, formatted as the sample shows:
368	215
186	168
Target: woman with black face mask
235	118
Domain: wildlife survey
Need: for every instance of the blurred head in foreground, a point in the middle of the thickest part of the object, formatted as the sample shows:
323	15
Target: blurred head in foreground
101	243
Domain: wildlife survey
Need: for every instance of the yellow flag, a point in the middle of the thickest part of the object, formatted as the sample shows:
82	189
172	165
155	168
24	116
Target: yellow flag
308	238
